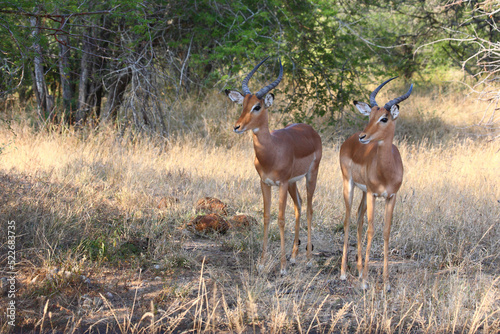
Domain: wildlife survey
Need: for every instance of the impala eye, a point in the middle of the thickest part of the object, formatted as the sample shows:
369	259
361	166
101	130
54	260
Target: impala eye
256	108
384	120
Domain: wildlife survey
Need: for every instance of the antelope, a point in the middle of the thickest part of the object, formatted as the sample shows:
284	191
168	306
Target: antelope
282	157
371	162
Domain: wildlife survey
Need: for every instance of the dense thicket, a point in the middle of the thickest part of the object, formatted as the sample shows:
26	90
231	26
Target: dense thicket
128	61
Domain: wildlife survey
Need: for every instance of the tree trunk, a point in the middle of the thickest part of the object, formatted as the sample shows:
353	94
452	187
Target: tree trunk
90	89
40	86
115	96
97	100
83	107
64	70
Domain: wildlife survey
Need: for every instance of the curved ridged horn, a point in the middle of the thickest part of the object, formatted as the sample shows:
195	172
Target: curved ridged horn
389	104
266	89
373	103
244	84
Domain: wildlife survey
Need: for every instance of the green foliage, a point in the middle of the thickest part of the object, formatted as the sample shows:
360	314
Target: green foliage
95	249
163	49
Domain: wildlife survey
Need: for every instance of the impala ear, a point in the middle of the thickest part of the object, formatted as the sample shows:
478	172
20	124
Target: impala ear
363	108
268	100
395	111
235	96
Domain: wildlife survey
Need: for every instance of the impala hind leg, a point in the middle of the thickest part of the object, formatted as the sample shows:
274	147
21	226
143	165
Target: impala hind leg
297	202
348	192
311	180
361	214
266	196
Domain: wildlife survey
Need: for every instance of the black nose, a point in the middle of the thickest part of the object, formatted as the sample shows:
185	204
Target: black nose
236	127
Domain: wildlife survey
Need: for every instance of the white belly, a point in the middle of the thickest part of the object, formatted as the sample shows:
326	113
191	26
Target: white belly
360	186
297	178
270	182
384	195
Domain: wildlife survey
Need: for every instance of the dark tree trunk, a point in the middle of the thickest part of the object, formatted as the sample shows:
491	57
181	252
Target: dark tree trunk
45	103
115	96
98	100
64	70
85	65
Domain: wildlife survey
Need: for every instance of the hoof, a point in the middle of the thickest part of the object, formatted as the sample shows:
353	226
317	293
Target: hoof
312	247
260	268
309	264
283	272
293	261
343	277
364	285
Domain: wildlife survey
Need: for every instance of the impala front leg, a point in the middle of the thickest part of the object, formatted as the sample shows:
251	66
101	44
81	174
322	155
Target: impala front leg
348	191
266	196
370	206
389	208
361	214
283	192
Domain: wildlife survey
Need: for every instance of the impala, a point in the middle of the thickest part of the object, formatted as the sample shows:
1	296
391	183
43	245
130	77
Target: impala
372	163
282	157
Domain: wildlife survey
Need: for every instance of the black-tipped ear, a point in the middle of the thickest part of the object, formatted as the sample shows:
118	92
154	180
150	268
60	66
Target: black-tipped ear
363	108
394	111
234	96
268	100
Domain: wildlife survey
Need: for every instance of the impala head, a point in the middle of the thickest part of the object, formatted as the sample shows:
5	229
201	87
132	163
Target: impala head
255	106
382	120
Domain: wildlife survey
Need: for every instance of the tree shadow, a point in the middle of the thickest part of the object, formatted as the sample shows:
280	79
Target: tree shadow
48	214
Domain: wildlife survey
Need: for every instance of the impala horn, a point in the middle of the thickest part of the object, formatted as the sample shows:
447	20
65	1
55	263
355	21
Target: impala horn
389	104
373	103
261	93
264	90
247	91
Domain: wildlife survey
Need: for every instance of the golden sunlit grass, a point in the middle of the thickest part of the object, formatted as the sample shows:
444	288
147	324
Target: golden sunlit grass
94	248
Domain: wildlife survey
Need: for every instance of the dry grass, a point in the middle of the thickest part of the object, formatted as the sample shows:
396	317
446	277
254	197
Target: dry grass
86	203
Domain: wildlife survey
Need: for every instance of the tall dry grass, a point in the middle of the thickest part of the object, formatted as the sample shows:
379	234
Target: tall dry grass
78	196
